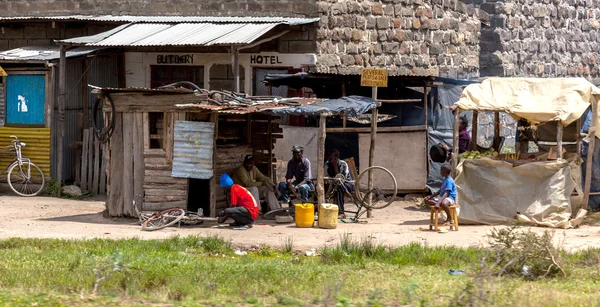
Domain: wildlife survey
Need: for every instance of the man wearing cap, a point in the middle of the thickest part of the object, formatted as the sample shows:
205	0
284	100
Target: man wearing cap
297	177
244	208
250	177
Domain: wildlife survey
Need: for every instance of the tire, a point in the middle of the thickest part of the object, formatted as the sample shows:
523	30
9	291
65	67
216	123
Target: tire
164	219
273	213
375	191
23	186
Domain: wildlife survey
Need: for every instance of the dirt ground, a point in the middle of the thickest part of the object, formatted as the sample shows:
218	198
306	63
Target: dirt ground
401	223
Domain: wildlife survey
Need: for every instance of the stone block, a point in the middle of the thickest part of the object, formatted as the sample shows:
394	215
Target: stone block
358	35
302	46
328	60
358	60
383	22
354	7
437	48
283	46
416	23
388	10
351	48
324	22
391	47
339	8
347	60
377	9
397	22
376	49
323	34
349	21
371	22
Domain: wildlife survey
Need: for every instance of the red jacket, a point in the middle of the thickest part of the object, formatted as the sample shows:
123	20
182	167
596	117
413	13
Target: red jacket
243	198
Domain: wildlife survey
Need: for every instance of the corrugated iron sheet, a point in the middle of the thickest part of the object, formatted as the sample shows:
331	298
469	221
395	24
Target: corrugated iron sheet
193	150
42	53
158	19
233	109
37	146
179	34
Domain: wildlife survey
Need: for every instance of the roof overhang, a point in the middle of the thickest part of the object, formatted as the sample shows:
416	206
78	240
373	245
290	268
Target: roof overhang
237	31
41	54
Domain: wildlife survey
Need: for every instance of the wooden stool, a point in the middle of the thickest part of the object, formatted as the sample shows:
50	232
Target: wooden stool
434	216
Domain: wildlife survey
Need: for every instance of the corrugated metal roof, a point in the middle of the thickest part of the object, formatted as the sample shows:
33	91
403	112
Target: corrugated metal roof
179	34
193	150
232	109
169	19
42	53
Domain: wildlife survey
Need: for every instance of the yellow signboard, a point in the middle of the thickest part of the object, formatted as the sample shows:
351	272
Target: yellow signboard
2	72
374	77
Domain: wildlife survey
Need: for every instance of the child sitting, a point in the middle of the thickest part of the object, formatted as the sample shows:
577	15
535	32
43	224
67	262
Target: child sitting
447	192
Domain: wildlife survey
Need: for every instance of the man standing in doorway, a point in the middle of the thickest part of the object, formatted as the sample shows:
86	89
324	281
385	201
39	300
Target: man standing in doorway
297	177
249	176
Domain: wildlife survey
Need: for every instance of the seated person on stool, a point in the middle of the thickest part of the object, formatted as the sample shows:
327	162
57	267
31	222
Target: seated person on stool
333	167
248	176
297	177
244	208
447	192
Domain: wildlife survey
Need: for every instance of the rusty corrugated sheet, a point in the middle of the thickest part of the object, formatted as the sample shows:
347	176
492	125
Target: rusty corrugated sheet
37	146
193	150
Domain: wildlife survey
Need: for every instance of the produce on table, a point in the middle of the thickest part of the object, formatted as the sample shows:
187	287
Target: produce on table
476	154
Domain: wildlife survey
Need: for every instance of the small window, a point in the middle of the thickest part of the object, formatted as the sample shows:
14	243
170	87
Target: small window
157	130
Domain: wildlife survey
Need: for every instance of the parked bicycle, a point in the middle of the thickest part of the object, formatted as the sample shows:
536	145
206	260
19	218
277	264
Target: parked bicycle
23	176
151	221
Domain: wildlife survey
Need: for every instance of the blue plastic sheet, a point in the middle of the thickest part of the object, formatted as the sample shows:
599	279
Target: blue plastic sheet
350	106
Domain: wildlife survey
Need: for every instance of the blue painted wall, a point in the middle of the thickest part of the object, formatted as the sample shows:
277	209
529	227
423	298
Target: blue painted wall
25	99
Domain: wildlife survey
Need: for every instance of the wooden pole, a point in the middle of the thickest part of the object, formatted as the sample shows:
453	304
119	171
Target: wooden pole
497	131
235	67
372	150
474	128
426	122
62	96
214	181
590	155
455	142
321	160
559	140
270	135
84	91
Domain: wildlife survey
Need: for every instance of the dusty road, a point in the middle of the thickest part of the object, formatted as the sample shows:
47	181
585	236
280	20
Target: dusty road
401	223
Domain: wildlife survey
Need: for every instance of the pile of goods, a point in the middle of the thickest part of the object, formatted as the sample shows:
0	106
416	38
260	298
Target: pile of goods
477	154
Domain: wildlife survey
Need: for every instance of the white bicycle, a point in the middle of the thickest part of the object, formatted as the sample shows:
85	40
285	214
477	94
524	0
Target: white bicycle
23	176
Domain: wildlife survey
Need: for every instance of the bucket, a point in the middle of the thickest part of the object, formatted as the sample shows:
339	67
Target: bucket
328	216
305	215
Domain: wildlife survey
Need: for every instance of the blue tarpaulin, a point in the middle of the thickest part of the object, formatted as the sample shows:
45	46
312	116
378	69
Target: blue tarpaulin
348	106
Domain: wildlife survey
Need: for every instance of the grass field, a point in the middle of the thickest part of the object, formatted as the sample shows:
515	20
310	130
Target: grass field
200	271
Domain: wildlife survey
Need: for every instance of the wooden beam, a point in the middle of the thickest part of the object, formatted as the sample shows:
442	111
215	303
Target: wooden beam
321	159
426	124
235	68
128	157
270	136
559	140
380	129
496	131
591	153
474	128
214	118
455	142
85	96
62	97
400	100
372	154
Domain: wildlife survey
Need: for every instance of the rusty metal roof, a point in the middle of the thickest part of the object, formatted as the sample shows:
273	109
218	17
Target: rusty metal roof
179	34
239	109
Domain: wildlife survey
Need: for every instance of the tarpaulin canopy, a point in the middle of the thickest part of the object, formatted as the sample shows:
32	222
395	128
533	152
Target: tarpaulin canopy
349	106
536	100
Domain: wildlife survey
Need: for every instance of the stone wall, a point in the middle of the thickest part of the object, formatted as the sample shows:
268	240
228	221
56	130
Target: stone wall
287	8
534	38
15	35
409	37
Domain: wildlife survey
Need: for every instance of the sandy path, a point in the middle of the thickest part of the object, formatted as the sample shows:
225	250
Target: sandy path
43	217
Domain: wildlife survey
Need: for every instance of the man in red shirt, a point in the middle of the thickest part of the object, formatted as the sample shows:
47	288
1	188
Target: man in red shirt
244	208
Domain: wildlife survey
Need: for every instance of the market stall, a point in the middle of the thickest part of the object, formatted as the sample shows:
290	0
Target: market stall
538	188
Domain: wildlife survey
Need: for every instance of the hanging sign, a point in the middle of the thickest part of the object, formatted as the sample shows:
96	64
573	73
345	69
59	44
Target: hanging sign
374	77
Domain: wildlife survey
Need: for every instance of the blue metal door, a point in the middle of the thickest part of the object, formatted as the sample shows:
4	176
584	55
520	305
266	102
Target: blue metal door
25	99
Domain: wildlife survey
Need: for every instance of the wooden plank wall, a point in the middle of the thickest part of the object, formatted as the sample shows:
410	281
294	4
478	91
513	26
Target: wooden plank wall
261	146
92	164
229	157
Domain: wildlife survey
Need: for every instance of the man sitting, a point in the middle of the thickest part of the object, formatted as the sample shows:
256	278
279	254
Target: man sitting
333	167
297	177
250	177
244	208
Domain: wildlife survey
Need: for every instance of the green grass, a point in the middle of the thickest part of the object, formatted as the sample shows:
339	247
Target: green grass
196	271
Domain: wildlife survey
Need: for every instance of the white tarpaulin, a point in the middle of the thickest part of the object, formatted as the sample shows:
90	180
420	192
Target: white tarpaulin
495	192
537	100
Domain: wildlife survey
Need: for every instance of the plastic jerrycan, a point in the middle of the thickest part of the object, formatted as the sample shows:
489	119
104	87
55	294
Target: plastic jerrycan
328	216
305	215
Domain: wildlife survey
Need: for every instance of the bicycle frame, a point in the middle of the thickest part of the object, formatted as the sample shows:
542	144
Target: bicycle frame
18	158
337	184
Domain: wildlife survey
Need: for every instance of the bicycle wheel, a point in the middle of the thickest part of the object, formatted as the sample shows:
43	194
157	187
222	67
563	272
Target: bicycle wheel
26	180
164	219
277	212
384	189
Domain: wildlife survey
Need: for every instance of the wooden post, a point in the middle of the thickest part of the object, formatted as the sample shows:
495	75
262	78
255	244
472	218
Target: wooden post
345	118
235	68
496	131
62	96
372	149
559	140
270	90
84	90
455	142
214	118
590	155
426	123
321	160
474	130
270	136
